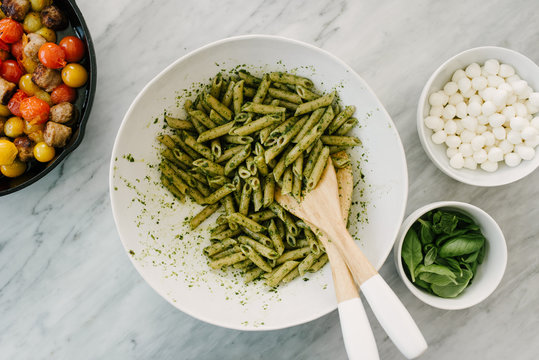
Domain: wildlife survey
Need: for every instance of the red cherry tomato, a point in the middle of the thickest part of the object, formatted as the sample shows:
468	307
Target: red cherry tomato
63	93
15	103
11	71
34	110
52	56
17	49
4	46
73	47
10	30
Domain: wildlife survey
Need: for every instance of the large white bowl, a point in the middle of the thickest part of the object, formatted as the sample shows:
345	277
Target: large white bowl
151	223
488	274
524	67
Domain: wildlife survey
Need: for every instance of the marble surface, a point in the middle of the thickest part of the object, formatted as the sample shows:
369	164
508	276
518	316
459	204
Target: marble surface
68	290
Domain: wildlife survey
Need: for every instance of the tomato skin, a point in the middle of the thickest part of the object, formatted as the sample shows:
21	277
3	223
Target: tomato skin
74	75
10	31
15	103
4	46
11	71
17	49
52	56
73	47
63	93
34	110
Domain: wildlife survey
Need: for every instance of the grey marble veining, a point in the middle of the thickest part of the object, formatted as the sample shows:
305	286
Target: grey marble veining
67	289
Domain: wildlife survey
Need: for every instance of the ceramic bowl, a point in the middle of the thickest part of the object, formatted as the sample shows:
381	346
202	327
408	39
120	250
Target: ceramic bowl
524	67
489	273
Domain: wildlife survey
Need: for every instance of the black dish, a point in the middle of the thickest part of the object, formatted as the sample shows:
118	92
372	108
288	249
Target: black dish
85	98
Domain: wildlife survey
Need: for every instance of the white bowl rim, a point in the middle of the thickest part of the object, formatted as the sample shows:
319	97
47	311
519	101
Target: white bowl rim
448	170
432	300
161	74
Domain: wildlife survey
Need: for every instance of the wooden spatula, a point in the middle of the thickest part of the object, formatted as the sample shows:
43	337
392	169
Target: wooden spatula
321	208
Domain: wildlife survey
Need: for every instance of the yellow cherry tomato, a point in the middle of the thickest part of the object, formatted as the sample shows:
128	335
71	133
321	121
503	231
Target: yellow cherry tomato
43	152
30	128
14	127
27	85
43	95
48	34
4	111
38	5
32	22
29	65
17	168
8	152
74	75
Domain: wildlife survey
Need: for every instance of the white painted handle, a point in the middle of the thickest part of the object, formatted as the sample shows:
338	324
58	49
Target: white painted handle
394	318
356	331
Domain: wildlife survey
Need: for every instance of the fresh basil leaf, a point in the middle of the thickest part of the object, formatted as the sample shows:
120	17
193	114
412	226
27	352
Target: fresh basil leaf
481	255
444	222
453	290
435	279
431	256
470	258
461	245
425	233
423	284
411	252
462	217
441	239
436	273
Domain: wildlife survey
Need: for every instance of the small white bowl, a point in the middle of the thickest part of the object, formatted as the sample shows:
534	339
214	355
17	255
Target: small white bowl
524	67
488	274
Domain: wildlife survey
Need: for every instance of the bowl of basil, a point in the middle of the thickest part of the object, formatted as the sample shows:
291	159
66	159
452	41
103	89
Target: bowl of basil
451	255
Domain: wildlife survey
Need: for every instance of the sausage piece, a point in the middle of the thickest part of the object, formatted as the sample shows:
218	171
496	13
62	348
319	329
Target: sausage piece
53	18
32	48
46	78
25	147
56	135
7	89
62	113
16	9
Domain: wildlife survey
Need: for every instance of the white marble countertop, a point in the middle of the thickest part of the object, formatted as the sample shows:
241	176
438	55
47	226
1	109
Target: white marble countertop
67	288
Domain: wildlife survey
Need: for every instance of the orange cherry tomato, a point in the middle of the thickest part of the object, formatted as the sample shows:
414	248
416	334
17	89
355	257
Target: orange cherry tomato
10	31
11	71
17	49
15	103
63	93
52	56
73	47
35	110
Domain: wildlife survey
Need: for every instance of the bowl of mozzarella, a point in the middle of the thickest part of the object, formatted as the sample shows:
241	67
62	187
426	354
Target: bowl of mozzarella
478	116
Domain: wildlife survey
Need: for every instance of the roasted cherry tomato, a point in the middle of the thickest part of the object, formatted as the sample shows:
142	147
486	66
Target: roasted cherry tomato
15	103
10	31
16	168
14	127
8	152
4	46
43	152
35	110
52	56
74	75
73	48
11	71
17	49
27	85
63	93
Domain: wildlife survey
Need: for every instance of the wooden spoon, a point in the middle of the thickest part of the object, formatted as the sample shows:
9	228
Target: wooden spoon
321	208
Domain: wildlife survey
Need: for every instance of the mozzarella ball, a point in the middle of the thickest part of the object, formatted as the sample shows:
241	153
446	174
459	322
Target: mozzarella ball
450	127
532	142
509	112
480	156
492	66
456	99
460	128
496	120
451	88
466	136
499	98
487	93
489	138
529	132
512	78
453	141
506	146
534	99
514	137
519	87
489	166
436	99
468	94
532	109
475	98
474	109
469	163
434	123
511	99
478	142
482	120
462	110
499	132
469	123
473	70
449	112
450	152
464	84
525	94
495	81
457	161
488	108
525	152
506	71
439	137
479	83
466	150
436	111
535	122
481	129
521	109
512	159
457	75
495	154
518	123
